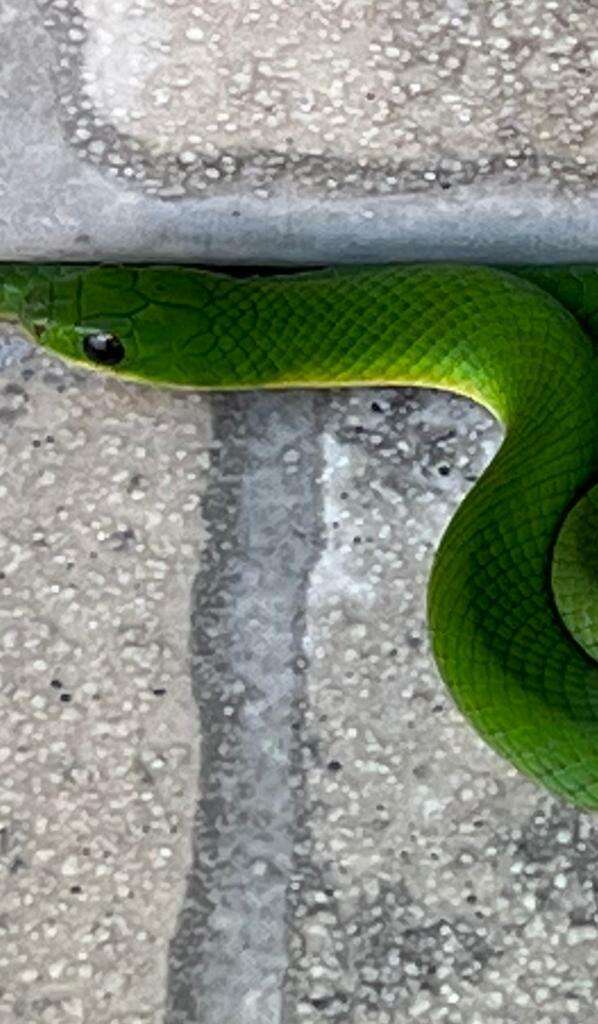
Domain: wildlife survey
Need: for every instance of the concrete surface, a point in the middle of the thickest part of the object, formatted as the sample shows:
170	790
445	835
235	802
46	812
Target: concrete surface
233	787
411	129
345	848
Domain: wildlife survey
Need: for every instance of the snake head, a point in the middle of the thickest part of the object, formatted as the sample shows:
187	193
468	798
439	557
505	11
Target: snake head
78	312
153	324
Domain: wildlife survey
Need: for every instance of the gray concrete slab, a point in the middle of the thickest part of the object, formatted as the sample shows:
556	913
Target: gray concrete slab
99	533
233	787
368	131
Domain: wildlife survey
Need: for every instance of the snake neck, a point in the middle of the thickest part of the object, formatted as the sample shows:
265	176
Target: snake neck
474	330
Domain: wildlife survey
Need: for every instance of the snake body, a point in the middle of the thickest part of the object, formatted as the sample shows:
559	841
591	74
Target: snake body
513	595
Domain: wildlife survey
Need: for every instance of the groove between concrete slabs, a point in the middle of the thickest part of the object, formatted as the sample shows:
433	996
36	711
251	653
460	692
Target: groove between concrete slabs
228	956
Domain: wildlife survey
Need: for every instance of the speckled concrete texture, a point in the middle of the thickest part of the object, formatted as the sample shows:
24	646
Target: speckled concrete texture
355	853
376	131
359	96
437	884
99	533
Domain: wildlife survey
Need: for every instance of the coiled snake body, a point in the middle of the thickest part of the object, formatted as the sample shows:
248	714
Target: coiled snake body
513	596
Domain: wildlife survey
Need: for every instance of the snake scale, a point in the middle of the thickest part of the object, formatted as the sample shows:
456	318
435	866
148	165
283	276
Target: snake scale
513	594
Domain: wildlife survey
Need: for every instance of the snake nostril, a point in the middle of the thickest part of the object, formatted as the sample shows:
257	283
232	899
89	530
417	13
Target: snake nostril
102	347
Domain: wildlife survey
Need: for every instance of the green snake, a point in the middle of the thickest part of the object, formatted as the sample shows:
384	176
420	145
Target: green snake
513	594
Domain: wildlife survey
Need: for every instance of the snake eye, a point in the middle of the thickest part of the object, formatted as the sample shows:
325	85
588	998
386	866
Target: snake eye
104	348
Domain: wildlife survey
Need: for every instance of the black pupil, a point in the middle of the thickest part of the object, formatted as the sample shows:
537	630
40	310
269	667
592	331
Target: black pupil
104	348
